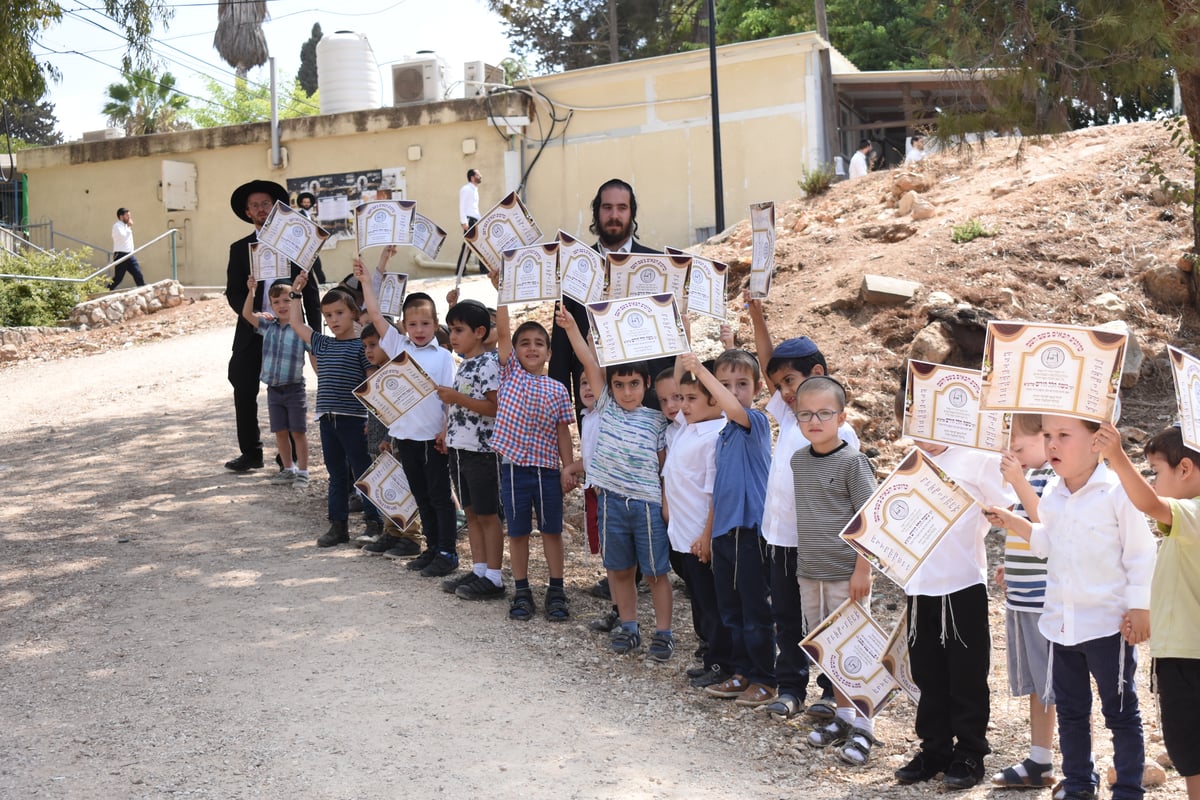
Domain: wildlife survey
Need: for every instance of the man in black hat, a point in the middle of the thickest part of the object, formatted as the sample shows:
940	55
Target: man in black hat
253	202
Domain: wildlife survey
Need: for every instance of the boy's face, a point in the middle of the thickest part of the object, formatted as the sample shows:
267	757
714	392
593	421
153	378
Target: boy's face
375	353
532	351
696	405
586	395
281	307
787	380
1170	481
628	390
822	435
738	380
669	397
420	324
464	340
1029	448
1070	449
339	318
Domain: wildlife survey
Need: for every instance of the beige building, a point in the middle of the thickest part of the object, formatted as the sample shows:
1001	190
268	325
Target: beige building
646	121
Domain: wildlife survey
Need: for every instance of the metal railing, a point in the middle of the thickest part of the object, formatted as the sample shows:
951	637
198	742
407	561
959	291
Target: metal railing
172	232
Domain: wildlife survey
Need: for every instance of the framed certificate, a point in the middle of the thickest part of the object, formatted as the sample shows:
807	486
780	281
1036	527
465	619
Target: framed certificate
644	274
293	235
268	265
1052	369
906	517
636	329
895	659
1186	370
941	405
706	286
529	274
386	487
426	235
383	222
391	293
395	388
849	647
506	226
762	262
580	270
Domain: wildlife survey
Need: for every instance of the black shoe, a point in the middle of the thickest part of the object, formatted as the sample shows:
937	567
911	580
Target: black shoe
355	503
381	545
245	463
441	564
1080	795
963	773
921	768
709	677
481	588
606	623
422	561
450	585
337	534
600	589
402	548
372	532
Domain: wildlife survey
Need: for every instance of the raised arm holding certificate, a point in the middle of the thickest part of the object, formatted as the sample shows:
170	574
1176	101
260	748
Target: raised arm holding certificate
426	235
645	274
580	270
293	235
529	275
384	222
1186	370
906	517
941	405
849	646
506	226
636	329
706	286
391	293
395	388
386	487
762	263
268	265
1052	369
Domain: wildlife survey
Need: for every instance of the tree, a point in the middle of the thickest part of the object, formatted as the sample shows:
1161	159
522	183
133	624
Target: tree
146	103
251	102
239	38
33	123
23	75
307	74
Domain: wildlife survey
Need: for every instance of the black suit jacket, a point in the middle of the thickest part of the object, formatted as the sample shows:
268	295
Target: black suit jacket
244	337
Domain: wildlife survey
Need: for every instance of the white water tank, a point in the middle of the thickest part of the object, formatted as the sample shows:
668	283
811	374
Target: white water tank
347	73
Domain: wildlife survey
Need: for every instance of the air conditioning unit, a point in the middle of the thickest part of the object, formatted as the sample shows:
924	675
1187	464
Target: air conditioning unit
476	75
103	135
419	80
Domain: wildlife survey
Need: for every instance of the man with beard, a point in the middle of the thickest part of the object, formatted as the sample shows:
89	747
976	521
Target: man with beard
252	202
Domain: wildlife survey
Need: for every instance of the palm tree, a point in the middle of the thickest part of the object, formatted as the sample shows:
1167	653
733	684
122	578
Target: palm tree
145	103
239	38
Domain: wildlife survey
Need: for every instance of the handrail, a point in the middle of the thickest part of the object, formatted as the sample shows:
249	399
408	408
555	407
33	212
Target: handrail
55	279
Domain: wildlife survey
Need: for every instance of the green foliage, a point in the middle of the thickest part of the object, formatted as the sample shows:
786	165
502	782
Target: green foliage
816	181
306	76
969	231
146	103
1181	139
32	123
251	102
32	302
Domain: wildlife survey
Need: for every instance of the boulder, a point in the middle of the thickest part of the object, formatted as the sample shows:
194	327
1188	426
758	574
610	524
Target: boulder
1131	371
910	182
933	343
939	299
885	290
895	232
906	202
923	209
967	325
1167	285
1110	302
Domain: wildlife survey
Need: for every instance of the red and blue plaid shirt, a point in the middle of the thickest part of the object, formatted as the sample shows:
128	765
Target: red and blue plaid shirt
529	409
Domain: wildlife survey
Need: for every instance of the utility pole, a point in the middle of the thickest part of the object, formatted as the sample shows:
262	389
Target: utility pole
718	180
829	105
614	44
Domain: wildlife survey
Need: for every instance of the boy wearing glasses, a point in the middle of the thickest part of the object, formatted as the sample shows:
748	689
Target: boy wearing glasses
832	480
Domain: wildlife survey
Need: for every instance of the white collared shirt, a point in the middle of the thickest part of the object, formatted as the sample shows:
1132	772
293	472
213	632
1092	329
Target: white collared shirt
426	420
688	477
624	247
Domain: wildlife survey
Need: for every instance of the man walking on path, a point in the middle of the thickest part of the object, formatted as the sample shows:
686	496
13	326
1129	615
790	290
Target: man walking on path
122	236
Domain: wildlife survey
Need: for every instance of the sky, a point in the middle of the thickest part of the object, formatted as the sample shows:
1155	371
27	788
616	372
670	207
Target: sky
88	48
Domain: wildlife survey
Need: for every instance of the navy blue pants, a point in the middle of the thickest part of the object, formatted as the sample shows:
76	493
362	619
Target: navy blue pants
705	614
743	598
344	440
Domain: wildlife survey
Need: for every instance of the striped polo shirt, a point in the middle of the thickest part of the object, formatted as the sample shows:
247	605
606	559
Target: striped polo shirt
1025	573
830	489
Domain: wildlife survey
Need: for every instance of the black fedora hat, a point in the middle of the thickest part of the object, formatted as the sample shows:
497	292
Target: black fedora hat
300	197
237	200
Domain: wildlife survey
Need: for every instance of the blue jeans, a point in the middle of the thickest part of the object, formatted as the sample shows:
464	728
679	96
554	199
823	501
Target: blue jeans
344	439
1101	659
743	598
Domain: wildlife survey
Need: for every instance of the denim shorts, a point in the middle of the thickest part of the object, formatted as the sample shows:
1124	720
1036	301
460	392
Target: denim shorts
633	533
526	491
287	408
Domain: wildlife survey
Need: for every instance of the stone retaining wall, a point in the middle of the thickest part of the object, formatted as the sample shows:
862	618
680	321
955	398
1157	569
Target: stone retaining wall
120	306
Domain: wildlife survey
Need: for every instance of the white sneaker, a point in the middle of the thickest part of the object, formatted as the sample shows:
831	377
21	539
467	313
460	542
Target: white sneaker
285	477
300	481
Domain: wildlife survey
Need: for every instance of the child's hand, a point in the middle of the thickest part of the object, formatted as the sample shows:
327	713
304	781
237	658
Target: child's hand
1010	467
251	284
727	339
494	277
689	361
385	446
439	443
1108	440
300	282
860	583
452	297
753	304
564	320
1000	576
567	478
1135	625
447	395
702	549
360	269
1001	517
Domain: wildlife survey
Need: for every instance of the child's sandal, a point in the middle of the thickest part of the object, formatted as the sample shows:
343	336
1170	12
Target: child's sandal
785	706
834	733
857	748
1036	776
522	607
822	710
557	609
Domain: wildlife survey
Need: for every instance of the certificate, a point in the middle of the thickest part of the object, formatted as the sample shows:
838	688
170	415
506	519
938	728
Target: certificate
426	235
268	265
906	517
895	659
762	237
293	235
1186	370
506	226
386	487
395	388
384	222
941	405
391	293
1052	369
706	286
643	274
849	646
636	329
529	274
580	270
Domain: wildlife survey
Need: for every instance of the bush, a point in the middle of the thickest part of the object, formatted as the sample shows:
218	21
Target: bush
36	302
970	230
817	181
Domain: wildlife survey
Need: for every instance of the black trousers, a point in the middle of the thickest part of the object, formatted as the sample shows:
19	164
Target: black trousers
129	265
465	252
705	615
244	368
428	473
